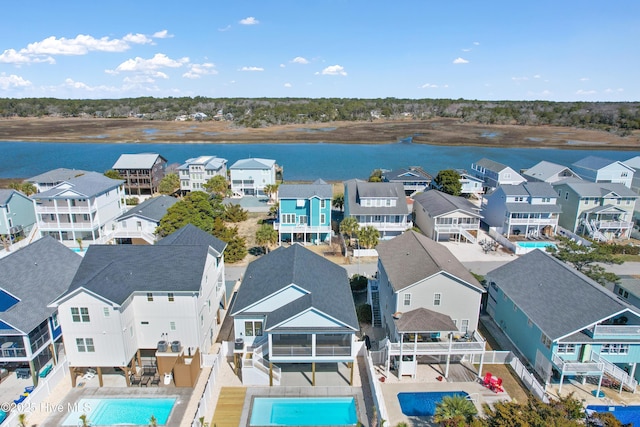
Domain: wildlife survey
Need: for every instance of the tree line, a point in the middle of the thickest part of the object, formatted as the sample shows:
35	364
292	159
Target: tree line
617	117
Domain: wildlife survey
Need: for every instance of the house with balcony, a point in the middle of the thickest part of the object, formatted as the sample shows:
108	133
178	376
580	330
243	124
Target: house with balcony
48	180
195	173
162	301
304	212
494	174
414	179
382	205
429	303
293	307
142	172
138	225
548	172
469	184
602	211
600	169
634	163
529	209
30	332
564	323
250	176
441	216
17	215
83	208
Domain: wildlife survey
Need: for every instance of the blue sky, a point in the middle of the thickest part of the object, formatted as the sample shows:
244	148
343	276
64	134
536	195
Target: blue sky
562	50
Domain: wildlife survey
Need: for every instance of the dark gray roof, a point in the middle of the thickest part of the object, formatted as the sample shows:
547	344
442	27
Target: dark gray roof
533	189
193	236
438	203
358	189
327	285
36	275
137	161
152	209
491	165
424	320
5	195
408	174
597	189
305	191
88	185
554	296
253	163
56	175
412	257
545	170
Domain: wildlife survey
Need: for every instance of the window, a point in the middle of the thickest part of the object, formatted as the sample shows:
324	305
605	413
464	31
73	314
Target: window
623	293
437	297
566	195
300	203
302	220
323	204
149	296
85	345
54	320
407	299
253	328
566	348
80	314
170	297
615	349
172	326
106	311
464	325
545	340
288	219
323	218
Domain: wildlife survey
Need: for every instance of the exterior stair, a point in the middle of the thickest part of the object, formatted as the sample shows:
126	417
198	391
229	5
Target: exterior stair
375	309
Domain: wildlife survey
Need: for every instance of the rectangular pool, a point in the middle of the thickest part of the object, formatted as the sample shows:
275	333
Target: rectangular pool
423	404
107	412
535	245
624	414
303	411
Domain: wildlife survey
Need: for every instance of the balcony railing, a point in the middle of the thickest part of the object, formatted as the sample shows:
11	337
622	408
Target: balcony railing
533	221
290	350
603	225
575	367
68	226
302	228
62	209
388	226
441	347
333	350
615	330
13	352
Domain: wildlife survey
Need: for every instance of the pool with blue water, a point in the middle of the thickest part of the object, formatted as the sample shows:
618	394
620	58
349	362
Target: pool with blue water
423	404
303	411
624	414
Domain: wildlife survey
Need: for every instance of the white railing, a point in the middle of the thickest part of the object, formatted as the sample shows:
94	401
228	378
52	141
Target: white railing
577	368
207	394
376	391
302	228
388	226
625	330
613	224
470	237
442	347
149	237
615	372
65	209
257	361
528	379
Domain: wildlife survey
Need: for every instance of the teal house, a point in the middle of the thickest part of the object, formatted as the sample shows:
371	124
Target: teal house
304	212
17	214
565	324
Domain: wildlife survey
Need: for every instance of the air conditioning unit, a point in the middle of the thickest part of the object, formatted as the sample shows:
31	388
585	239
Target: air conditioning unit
175	346
163	346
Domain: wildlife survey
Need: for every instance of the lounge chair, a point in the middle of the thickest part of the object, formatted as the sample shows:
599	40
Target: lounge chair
90	373
29	389
497	387
145	381
135	380
155	380
45	371
487	379
21	398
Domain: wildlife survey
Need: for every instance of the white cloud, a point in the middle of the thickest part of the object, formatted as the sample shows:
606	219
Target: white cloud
149	66
11	56
137	38
227	28
585	92
164	34
613	90
138	79
466	50
476	43
12	81
198	70
460	61
299	60
584	79
288	85
251	69
250	20
77	85
282	65
334	70
80	45
519	79
537	76
429	86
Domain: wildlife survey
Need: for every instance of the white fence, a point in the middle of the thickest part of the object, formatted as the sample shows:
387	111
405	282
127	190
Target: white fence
215	362
357	253
376	391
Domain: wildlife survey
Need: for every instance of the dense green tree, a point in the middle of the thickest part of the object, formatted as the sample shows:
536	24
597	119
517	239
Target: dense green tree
24	187
266	236
376	176
456	408
349	226
534	413
338	201
271	190
113	174
195	208
217	185
586	259
448	181
368	237
169	184
235	213
236	249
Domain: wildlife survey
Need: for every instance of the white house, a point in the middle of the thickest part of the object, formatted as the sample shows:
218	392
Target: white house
250	176
599	169
138	224
549	172
84	207
194	173
48	180
442	216
164	299
495	174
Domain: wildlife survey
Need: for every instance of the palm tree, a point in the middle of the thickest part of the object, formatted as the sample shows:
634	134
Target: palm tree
266	236
270	189
79	240
153	422
349	226
22	420
338	201
368	237
453	408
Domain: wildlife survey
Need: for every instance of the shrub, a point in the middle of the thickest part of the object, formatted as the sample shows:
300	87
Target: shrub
358	283
364	313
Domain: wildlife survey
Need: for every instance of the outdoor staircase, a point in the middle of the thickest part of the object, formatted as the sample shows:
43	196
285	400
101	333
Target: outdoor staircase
375	309
593	231
470	237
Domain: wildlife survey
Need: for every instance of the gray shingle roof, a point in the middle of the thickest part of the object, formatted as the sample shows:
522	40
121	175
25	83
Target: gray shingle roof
593	163
327	284
438	203
533	189
598	189
358	189
5	195
192	235
253	163
137	161
545	170
557	298
36	275
90	184
408	174
209	162
491	165
424	320
305	191
412	257
56	175
152	209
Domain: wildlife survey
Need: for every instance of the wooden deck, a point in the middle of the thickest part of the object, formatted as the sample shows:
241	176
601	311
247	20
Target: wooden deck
229	407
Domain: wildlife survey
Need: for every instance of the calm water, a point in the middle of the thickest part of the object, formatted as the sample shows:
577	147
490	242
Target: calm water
305	161
301	411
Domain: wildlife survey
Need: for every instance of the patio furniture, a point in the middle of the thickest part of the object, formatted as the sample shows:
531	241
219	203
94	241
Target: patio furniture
135	380
29	389
497	386
487	379
145	381
23	373
155	380
21	398
90	373
45	371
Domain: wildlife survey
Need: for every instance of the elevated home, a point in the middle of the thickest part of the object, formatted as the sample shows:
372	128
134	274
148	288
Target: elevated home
304	212
17	214
600	210
142	172
164	300
414	179
531	209
82	208
442	216
548	172
195	173
628	289
429	303
138	224
634	163
564	323
470	185
30	333
50	179
249	177
599	169
495	174
382	205
293	307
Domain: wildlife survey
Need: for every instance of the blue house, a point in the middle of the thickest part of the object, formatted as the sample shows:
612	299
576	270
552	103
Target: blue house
304	212
17	214
564	323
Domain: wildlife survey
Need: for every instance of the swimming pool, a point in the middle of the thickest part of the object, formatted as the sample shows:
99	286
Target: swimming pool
536	245
624	414
423	404
303	411
107	412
